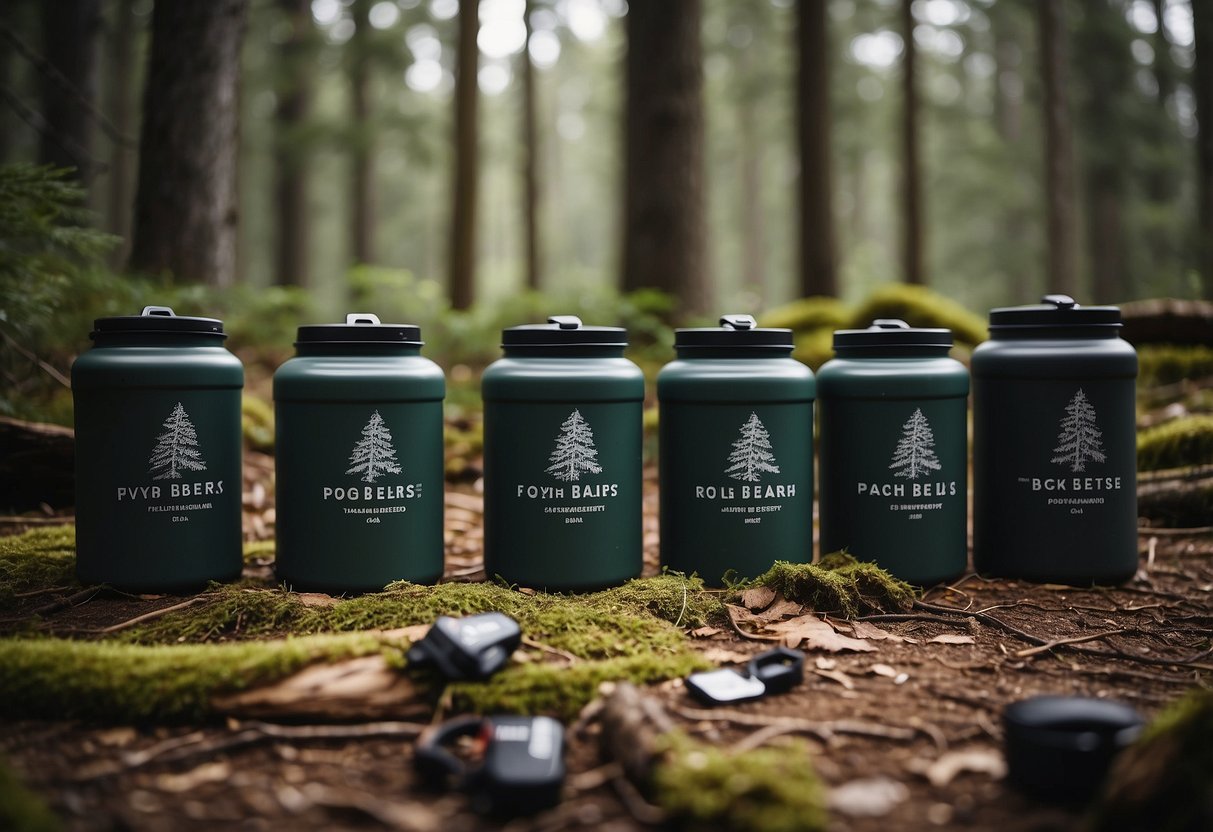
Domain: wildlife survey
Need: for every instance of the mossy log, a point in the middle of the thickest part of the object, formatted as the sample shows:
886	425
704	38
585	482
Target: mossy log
1167	321
1182	442
37	465
1177	498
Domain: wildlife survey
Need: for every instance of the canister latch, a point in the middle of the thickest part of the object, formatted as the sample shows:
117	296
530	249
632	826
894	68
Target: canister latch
158	311
1060	301
361	318
889	323
740	322
565	321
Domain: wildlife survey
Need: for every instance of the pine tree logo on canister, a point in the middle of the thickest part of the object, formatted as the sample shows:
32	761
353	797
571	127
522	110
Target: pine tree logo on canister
575	452
373	454
915	452
1080	440
752	453
177	448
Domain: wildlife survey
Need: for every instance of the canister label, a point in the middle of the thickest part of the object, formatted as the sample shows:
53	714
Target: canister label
176	455
751	458
913	460
372	457
574	456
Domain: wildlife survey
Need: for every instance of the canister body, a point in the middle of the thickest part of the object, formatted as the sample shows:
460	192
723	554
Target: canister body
1054	463
736	461
562	466
359	462
158	468
893	439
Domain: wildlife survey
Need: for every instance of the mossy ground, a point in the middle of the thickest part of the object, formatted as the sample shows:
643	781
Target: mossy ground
839	583
1161	364
1176	444
20	809
38	559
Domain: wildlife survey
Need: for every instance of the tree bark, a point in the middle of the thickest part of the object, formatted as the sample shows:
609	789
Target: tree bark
463	208
817	259
37	465
122	113
753	237
1202	82
1061	215
70	33
362	197
911	194
530	161
185	206
663	225
291	174
1008	82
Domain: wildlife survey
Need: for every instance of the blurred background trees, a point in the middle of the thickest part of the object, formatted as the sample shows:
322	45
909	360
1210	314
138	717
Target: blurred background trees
734	154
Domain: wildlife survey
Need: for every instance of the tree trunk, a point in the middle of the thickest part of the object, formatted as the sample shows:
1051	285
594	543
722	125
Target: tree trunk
753	238
291	174
1008	82
911	195
463	209
185	207
530	155
362	197
1202	82
122	113
1164	69
817	259
663	226
70	34
1062	272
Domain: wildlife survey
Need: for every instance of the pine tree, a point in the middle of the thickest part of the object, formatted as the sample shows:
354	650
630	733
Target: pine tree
752	452
913	453
177	448
1079	440
575	452
373	455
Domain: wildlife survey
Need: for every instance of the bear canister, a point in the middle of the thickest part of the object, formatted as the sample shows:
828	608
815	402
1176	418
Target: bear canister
359	458
894	464
158	472
736	451
562	448
1055	445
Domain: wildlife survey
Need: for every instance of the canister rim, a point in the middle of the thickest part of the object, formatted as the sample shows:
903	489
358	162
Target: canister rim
554	335
1057	312
402	335
879	338
715	337
157	325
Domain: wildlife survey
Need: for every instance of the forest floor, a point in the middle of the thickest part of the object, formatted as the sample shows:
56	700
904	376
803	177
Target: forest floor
905	731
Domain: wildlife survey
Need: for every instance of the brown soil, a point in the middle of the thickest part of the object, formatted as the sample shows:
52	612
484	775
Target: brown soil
910	704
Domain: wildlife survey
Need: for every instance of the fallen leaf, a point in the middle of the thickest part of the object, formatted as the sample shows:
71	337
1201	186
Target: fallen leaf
720	655
977	760
757	597
870	797
780	609
706	632
315	599
884	670
837	676
826	664
817	634
862	629
739	615
952	638
190	780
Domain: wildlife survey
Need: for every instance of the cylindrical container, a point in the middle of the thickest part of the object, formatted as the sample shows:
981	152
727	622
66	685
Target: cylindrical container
893	438
157	410
1055	445
562	446
736	451
358	458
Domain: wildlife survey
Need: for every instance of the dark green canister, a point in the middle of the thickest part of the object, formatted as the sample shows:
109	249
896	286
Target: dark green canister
157	411
736	451
359	458
562	447
1055	445
893	439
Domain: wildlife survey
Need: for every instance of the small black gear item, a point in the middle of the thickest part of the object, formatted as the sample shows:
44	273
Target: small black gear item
470	648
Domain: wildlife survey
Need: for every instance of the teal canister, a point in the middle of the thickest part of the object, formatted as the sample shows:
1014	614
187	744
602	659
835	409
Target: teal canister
893	438
562	457
1055	445
736	451
157	412
359	458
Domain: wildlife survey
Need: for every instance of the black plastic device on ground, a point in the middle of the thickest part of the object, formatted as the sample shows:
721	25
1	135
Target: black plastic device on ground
472	648
772	671
517	765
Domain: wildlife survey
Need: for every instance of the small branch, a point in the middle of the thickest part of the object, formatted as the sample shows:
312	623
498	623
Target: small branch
1044	648
82	597
47	368
1194	530
547	648
822	730
151	616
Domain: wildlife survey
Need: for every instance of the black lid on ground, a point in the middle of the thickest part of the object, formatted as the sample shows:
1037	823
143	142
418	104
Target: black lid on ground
734	331
360	328
564	331
160	320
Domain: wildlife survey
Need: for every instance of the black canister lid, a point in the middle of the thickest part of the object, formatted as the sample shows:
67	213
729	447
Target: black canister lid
891	332
564	331
158	320
360	328
1055	311
734	331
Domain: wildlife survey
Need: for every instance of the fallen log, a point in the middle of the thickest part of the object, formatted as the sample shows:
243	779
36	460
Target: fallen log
1167	321
37	465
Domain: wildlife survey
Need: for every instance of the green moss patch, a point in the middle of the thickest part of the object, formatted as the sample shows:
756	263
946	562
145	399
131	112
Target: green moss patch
920	307
38	559
20	809
257	423
817	312
1170	363
839	583
61	679
1176	444
764	790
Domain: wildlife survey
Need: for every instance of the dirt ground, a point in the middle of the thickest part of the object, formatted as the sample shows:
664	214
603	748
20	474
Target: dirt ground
906	735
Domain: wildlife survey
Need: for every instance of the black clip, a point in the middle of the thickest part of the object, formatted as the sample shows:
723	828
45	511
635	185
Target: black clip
474	647
780	669
773	671
521	768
